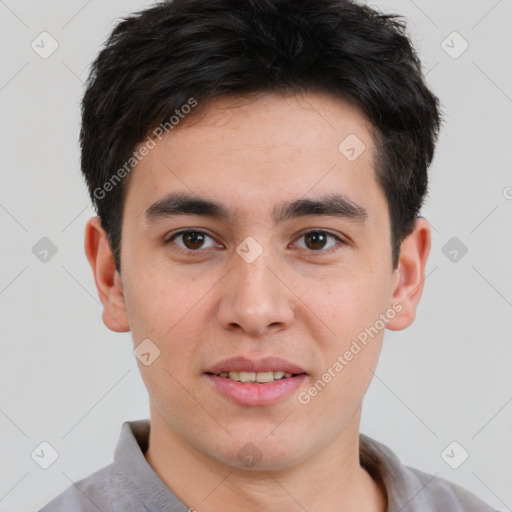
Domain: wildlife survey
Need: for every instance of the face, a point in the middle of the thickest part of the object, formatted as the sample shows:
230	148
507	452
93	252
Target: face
263	275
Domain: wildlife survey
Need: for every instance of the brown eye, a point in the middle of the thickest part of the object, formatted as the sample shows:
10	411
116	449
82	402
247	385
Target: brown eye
315	240
318	240
191	240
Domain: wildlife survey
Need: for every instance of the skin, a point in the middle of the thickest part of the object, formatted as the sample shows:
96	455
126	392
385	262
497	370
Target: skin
293	301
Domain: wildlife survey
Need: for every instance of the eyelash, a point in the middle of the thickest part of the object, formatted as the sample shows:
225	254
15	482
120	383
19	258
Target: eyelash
173	236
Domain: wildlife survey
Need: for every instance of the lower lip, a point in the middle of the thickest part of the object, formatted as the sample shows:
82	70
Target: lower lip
256	394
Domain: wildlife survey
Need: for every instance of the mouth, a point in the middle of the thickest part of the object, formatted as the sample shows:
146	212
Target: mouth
254	382
244	369
256	377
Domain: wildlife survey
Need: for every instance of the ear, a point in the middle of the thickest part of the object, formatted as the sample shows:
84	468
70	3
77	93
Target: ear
409	276
107	279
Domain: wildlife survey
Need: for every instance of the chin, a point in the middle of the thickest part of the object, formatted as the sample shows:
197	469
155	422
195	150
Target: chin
258	453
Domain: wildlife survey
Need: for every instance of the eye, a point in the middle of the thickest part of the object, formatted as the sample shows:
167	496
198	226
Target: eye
192	240
316	240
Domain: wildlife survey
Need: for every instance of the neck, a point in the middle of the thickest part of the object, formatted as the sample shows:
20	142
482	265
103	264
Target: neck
332	480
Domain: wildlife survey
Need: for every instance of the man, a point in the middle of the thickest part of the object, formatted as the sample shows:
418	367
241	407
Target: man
258	169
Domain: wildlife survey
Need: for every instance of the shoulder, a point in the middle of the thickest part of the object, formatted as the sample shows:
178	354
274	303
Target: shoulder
411	490
90	494
440	494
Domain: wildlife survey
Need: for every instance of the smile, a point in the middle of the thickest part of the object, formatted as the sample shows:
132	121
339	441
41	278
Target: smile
256	377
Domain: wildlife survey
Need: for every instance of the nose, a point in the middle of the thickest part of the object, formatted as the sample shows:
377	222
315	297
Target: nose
255	297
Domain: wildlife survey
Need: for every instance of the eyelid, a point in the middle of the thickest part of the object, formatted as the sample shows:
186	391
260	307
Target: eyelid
336	235
170	236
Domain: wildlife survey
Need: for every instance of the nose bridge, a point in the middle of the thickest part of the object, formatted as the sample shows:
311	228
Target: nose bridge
255	253
254	280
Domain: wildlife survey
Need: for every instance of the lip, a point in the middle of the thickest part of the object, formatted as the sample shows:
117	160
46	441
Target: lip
246	393
244	364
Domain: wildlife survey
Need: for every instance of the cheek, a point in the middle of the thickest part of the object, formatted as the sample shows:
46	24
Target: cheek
160	301
171	311
351	308
348	303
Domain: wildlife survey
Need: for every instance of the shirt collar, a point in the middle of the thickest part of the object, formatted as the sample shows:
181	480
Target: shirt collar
404	490
140	489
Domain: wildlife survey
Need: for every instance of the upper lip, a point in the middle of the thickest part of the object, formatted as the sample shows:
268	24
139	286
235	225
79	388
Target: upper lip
244	364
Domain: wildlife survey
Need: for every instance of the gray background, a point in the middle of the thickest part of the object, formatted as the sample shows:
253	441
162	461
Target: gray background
67	380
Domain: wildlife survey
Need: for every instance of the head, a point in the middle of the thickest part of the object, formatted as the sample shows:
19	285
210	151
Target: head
265	120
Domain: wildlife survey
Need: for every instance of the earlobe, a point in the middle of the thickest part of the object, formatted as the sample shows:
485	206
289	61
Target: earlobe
107	279
410	275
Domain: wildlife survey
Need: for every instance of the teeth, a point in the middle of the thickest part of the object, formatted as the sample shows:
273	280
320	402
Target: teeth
260	377
247	376
264	377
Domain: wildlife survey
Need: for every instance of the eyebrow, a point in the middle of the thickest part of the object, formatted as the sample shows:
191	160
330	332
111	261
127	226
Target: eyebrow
179	203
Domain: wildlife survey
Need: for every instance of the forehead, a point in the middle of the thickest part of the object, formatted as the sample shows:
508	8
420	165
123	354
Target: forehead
256	151
277	123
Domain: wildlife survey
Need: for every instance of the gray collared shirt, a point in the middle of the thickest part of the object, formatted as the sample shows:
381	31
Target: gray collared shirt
130	484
